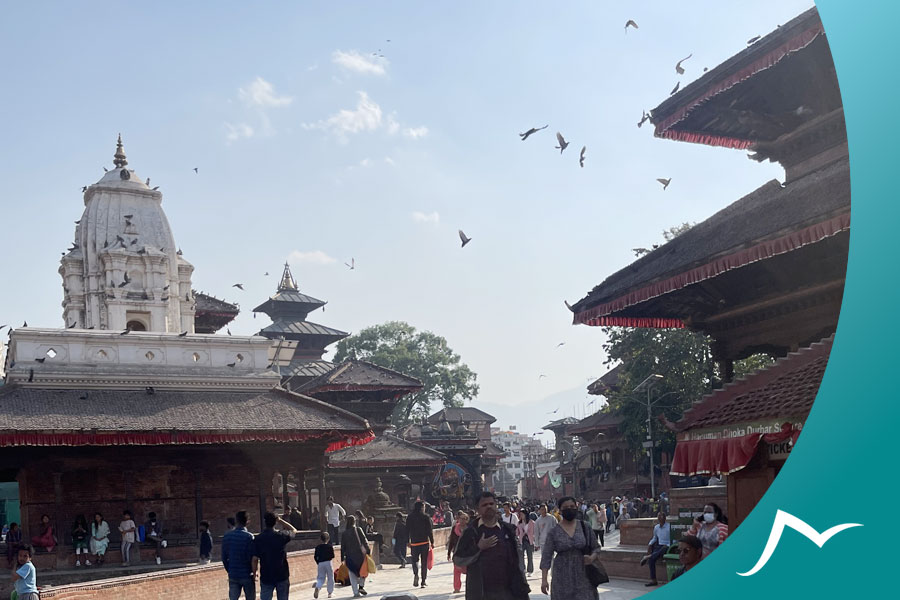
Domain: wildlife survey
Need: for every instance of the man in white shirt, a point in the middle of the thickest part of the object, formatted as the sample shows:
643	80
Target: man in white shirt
714	480
508	515
542	527
659	544
333	515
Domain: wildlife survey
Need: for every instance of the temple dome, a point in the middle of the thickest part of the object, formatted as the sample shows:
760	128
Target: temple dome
125	270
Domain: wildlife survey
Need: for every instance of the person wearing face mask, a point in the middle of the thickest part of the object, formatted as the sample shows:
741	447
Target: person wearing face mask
569	541
711	528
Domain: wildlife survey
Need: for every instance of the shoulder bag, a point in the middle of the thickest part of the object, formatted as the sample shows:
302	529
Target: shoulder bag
595	574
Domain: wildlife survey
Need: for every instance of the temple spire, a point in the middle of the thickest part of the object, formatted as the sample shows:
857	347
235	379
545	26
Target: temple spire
119	158
287	280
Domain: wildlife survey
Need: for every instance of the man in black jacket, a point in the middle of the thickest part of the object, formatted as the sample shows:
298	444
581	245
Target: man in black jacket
489	550
421	540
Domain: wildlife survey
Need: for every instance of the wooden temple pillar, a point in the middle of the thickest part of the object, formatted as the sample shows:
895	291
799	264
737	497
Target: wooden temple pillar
323	495
302	502
285	493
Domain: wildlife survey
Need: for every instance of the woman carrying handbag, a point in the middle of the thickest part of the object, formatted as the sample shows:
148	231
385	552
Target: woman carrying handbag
576	570
354	553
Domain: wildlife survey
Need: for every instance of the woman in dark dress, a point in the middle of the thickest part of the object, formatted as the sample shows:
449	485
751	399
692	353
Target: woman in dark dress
354	549
569	540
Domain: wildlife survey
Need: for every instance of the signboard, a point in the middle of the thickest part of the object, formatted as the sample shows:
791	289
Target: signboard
686	482
683	521
779	451
739	430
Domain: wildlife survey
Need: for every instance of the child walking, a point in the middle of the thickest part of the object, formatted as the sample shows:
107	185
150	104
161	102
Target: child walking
206	543
80	540
127	529
24	576
324	554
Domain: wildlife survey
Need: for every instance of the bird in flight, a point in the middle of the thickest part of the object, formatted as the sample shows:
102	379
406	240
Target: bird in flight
465	240
678	68
630	23
553	412
541	376
645	116
196	170
2	327
675	89
126	281
563	144
581	158
560	344
266	274
665	182
525	135
228	330
239	286
352	264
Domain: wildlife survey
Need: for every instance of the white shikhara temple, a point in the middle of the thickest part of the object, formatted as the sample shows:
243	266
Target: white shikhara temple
124	270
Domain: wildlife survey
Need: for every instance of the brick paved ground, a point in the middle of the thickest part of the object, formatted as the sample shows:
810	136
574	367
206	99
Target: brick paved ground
440	585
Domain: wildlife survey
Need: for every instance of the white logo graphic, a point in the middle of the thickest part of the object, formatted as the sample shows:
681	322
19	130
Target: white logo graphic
782	520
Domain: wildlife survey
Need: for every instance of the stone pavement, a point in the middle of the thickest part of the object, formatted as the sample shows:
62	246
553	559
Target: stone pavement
440	585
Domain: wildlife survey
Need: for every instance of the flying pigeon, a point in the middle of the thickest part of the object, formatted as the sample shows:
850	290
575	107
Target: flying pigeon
665	182
630	23
525	135
239	286
541	376
126	281
266	274
553	412
465	240
675	89
581	158
560	344
753	39
228	330
196	170
678	68
563	144
351	266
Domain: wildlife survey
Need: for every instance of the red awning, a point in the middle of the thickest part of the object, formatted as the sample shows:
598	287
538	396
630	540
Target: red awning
703	457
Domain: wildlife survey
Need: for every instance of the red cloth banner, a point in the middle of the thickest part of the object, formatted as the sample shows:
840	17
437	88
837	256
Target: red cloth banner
703	457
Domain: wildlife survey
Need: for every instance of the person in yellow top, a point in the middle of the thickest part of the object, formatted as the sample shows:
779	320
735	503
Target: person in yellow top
556	514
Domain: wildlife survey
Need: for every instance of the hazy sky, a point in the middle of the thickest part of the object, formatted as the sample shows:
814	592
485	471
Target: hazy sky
311	149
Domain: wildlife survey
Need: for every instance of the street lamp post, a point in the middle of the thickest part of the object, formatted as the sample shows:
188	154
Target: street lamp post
648	385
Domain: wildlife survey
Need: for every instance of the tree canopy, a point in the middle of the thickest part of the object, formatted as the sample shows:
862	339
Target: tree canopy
421	354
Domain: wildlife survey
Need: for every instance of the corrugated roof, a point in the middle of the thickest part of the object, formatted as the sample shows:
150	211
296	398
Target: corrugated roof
207	303
312	368
468	414
28	409
302	328
784	390
767	213
600	419
385	451
362	375
293	297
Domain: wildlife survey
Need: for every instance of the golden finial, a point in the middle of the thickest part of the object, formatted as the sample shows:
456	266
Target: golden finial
119	158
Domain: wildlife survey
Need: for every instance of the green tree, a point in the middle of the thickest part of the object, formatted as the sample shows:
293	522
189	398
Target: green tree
421	354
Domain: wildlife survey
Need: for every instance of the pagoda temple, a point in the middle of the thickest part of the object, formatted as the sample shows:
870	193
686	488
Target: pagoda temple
763	275
289	309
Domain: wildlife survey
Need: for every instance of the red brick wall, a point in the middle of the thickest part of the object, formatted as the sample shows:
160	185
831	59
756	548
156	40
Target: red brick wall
207	582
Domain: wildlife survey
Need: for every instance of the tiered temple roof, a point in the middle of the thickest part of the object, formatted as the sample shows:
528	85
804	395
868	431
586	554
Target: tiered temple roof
289	309
212	314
